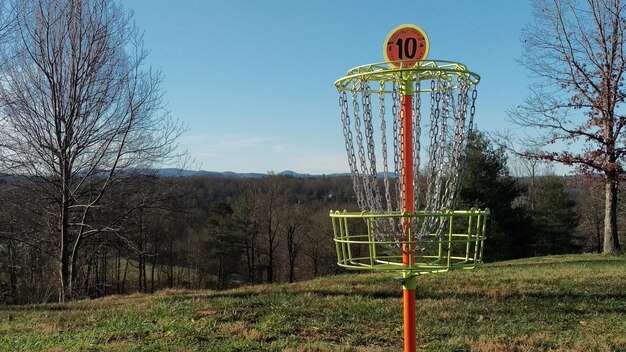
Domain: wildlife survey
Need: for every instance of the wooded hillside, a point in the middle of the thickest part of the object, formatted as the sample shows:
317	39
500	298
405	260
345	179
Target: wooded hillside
219	233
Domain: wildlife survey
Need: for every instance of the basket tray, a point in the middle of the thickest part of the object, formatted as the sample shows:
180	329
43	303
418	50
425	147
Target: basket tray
360	246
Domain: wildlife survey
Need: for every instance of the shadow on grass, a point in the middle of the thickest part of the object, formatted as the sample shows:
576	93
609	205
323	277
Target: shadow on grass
601	302
44	307
523	263
234	294
374	294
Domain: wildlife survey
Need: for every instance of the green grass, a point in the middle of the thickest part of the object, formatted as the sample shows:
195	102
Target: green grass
558	303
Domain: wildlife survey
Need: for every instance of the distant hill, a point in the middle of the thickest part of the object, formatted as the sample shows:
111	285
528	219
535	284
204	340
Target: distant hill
172	172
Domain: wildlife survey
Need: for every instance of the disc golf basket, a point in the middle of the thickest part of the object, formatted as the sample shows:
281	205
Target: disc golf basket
405	124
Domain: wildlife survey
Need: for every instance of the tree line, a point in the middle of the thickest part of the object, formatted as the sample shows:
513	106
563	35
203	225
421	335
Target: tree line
219	233
191	232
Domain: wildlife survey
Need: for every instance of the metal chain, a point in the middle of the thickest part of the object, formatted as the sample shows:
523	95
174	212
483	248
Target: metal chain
444	90
396	142
403	185
431	167
417	132
373	194
347	134
455	165
445	103
435	98
472	111
467	132
383	135
390	226
361	150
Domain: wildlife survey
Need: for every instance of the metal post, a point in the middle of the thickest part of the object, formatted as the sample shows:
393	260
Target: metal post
409	286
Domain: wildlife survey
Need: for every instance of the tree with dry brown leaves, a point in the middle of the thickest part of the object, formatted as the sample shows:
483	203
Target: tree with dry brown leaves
574	114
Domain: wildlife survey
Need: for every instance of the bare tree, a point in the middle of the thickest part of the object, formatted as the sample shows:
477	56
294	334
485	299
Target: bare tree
269	206
79	111
7	20
249	229
576	50
295	235
531	169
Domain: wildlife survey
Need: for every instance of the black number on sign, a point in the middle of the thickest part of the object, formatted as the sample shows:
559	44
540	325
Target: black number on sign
408	50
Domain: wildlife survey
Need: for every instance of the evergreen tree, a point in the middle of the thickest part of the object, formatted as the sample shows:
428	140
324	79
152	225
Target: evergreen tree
486	183
555	218
225	244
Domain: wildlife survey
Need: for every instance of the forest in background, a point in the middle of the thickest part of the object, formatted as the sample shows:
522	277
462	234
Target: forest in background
205	232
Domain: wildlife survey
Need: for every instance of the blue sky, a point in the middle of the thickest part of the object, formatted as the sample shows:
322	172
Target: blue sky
253	80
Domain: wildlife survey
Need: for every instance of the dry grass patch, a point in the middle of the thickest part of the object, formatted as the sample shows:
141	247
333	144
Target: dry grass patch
239	329
584	346
136	300
179	292
46	327
529	343
620	341
484	345
317	347
201	314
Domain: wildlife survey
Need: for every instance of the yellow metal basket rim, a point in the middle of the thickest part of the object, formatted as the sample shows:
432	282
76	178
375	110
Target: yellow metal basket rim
423	71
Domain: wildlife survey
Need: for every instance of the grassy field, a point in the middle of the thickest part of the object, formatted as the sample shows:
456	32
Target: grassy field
559	303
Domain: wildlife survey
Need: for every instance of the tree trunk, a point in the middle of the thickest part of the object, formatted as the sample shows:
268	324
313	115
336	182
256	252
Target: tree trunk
270	266
597	221
124	277
611	241
152	276
12	274
250	258
292	271
105	268
118	265
292	251
315	266
96	277
170	269
64	269
142	258
154	264
87	283
66	251
159	274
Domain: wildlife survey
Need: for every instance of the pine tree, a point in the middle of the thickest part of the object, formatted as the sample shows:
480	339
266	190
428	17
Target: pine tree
487	184
555	218
225	244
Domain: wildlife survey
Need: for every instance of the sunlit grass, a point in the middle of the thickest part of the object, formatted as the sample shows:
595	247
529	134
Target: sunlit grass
559	303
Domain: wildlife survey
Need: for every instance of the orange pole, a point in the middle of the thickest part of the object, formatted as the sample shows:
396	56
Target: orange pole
407	172
410	336
410	333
